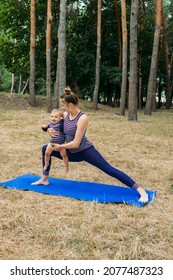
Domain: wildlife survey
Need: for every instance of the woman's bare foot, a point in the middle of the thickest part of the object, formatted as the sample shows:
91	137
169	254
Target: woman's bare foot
143	195
41	181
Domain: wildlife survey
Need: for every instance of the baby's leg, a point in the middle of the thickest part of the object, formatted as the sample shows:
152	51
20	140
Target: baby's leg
65	159
48	152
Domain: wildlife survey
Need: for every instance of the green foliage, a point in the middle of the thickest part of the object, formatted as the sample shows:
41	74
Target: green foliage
14	36
5	79
81	47
81	43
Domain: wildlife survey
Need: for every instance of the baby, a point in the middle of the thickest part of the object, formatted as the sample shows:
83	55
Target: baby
57	124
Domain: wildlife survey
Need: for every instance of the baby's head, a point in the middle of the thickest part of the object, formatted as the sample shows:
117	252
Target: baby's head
56	115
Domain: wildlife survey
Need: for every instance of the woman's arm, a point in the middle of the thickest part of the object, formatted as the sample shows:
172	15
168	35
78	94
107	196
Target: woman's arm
81	128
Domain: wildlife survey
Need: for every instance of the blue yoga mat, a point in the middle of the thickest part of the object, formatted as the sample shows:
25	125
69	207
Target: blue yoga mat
88	191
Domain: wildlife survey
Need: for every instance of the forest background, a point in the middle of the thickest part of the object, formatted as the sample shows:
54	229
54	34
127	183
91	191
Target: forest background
118	53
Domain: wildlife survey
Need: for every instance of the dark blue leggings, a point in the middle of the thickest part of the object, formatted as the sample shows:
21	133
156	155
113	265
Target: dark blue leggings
92	156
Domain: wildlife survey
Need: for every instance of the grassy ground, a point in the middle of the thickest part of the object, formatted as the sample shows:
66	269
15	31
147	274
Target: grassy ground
36	226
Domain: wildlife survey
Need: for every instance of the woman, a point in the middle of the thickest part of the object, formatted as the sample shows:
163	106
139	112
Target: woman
79	148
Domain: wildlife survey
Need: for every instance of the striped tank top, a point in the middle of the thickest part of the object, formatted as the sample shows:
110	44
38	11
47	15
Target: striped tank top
70	127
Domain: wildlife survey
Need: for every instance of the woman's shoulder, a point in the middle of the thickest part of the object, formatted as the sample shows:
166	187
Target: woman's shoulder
83	115
83	118
65	114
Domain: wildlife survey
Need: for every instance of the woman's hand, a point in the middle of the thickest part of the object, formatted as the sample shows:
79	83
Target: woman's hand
52	132
56	147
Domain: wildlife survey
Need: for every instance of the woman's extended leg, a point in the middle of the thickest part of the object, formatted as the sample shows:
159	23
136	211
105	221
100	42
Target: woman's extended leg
93	157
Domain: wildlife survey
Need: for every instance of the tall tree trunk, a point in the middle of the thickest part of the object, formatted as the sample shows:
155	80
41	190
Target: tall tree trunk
98	56
168	63
48	56
132	109
12	83
154	103
25	86
119	35
154	59
140	92
61	60
140	70
13	75
124	59
32	52
20	83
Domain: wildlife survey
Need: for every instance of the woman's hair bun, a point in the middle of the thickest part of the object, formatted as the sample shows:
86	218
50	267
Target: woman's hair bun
69	96
67	90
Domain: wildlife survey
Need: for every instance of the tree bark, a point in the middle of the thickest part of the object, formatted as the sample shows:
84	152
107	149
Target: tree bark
140	53
132	103
61	60
154	60
20	83
168	63
48	56
124	59
12	83
119	34
98	56
32	52
26	84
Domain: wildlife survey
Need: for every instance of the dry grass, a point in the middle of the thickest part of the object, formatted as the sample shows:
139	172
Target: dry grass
35	226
